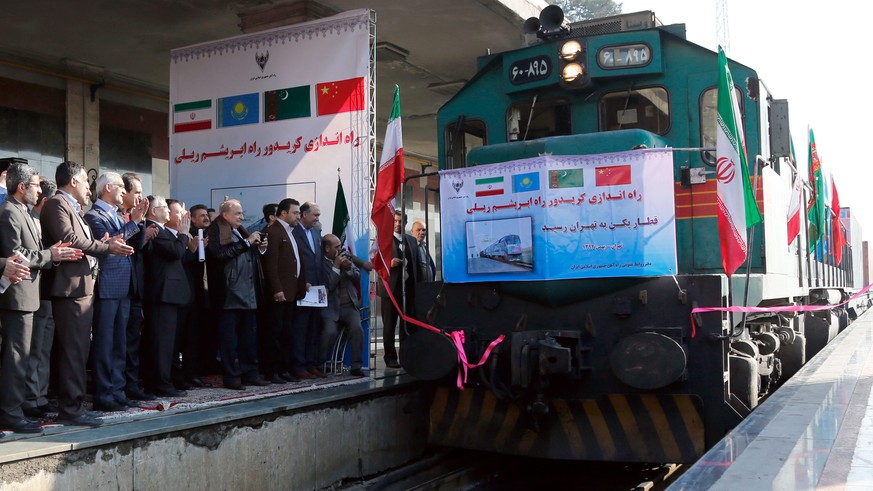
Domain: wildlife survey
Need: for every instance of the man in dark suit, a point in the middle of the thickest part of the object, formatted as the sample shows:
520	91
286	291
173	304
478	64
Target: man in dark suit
342	303
132	199
403	274
37	404
20	239
195	333
306	337
112	302
424	263
72	287
166	288
285	284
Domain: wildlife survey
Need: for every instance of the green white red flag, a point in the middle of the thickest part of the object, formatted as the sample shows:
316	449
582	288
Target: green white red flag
737	210
795	203
388	181
839	237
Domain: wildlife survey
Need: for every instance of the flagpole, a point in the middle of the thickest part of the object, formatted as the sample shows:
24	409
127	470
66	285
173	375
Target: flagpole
750	240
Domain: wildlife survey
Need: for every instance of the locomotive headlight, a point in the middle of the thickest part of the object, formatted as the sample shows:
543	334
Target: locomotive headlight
571	72
570	50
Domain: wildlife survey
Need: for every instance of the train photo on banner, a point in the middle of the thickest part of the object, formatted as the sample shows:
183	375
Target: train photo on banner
582	166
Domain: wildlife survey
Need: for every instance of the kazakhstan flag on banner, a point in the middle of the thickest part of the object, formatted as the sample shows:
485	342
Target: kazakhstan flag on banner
237	110
522	183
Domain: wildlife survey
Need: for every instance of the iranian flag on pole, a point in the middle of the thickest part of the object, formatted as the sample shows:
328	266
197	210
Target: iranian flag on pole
795	204
839	238
388	182
737	210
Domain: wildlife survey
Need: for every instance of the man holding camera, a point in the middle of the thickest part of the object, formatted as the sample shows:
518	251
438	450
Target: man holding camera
342	302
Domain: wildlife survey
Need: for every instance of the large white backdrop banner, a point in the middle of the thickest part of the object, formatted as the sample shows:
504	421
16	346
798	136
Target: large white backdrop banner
271	115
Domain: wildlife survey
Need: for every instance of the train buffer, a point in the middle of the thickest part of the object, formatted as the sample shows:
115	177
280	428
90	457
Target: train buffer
816	432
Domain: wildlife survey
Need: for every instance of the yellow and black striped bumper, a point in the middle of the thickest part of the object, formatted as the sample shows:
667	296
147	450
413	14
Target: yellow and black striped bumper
613	427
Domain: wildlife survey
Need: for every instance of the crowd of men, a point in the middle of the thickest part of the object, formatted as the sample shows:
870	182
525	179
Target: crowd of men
148	297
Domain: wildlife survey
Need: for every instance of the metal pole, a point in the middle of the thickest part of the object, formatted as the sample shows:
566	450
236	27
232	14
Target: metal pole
751	241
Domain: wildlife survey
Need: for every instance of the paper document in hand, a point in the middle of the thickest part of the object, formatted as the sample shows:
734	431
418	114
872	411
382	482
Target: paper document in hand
315	297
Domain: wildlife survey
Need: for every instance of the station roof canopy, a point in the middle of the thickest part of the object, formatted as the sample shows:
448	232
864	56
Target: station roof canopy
427	47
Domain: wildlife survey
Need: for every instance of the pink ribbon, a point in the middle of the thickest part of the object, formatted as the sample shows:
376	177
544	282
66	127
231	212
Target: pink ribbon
784	308
457	338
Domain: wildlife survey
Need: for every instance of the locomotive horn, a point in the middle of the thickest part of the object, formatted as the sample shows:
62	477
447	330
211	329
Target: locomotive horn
551	17
531	25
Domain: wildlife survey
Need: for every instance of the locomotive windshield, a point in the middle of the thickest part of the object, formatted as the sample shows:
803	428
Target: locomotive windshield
534	119
462	136
645	109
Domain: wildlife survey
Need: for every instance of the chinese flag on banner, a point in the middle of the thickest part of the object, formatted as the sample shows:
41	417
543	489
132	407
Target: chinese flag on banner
614	175
340	96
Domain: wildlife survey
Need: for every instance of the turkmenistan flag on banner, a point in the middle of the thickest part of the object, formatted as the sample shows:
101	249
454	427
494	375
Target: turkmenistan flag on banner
816	204
289	103
192	116
737	210
342	224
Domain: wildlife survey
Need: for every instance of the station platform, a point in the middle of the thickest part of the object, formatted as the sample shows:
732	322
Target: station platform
816	432
304	435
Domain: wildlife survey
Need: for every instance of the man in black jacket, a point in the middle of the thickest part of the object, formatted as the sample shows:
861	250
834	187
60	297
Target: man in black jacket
231	273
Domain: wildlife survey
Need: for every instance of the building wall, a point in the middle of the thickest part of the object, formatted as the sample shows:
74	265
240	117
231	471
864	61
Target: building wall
47	125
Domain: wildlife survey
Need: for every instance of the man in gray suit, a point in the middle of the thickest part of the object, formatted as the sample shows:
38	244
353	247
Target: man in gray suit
20	239
72	288
342	302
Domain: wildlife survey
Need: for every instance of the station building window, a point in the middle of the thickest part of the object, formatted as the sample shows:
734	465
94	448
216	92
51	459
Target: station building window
462	136
534	119
645	109
39	138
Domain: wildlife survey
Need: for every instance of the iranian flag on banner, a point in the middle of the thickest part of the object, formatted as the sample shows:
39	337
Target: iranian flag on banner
737	210
388	181
342	224
192	116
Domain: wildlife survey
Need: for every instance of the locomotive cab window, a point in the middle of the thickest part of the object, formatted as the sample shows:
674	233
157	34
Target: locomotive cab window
534	119
462	136
709	120
645	109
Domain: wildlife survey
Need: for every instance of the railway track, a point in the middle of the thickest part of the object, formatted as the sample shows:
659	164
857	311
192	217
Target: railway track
457	470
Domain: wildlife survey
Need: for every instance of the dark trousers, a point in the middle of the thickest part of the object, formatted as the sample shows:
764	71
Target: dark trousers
390	316
132	374
306	339
189	343
38	367
17	329
73	317
236	329
350	320
160	339
276	356
109	349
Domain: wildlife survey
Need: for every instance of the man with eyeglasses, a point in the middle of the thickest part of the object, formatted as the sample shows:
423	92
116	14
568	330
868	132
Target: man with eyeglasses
113	296
72	287
20	241
425	264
